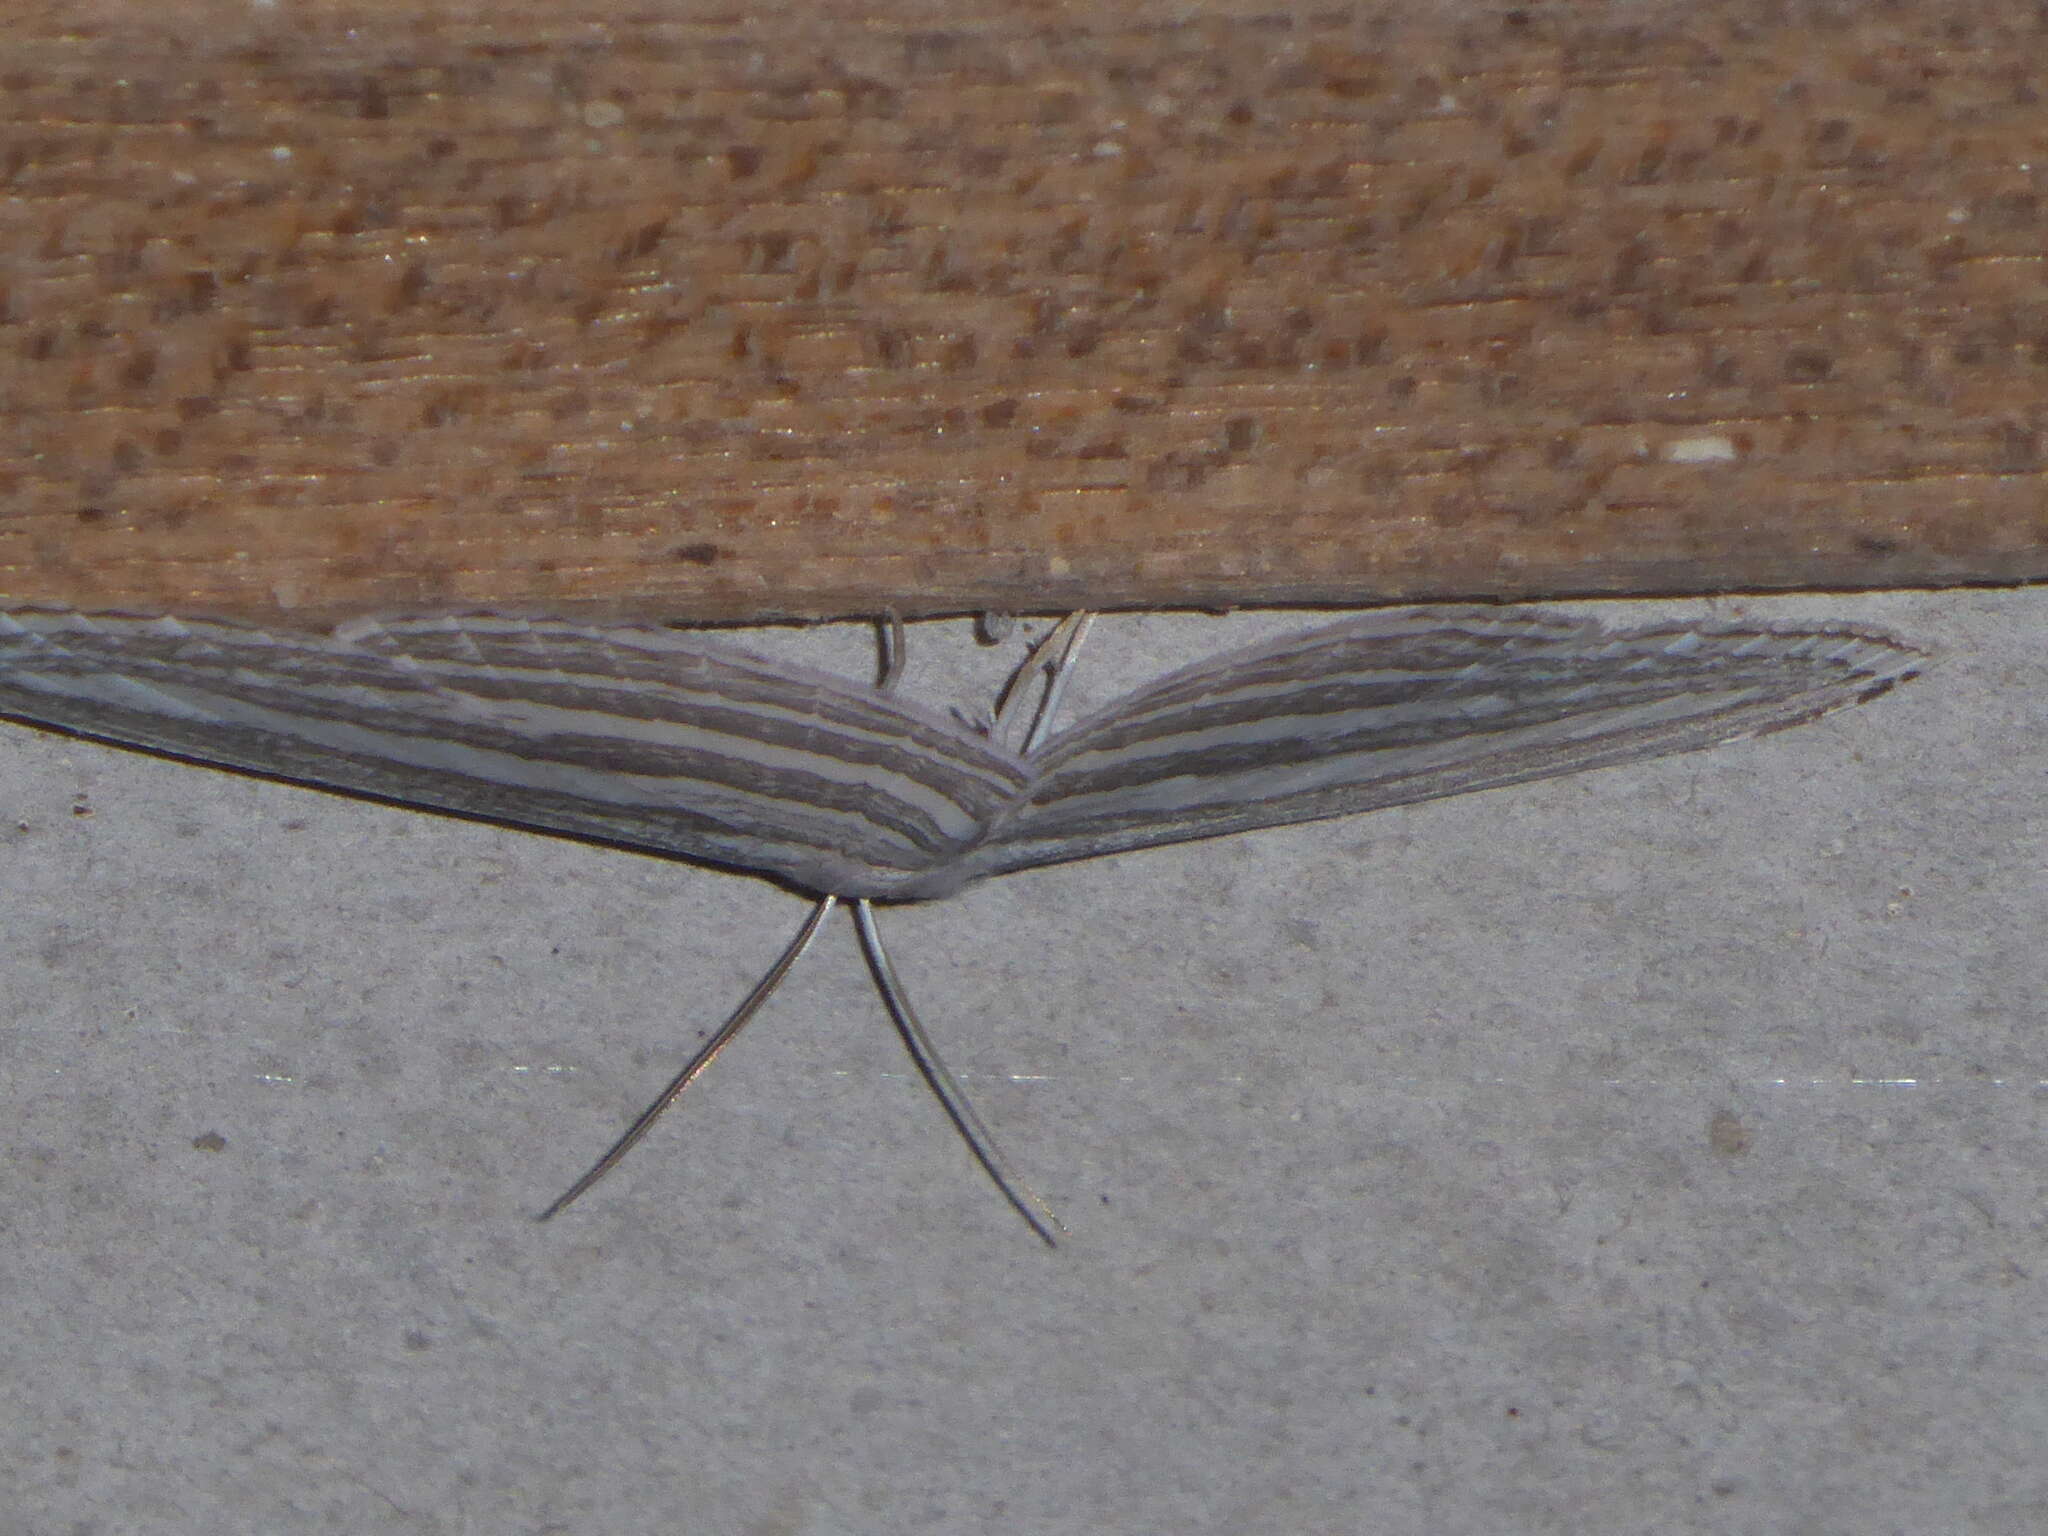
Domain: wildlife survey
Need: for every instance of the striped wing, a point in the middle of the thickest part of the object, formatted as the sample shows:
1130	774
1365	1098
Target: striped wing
635	736
1394	708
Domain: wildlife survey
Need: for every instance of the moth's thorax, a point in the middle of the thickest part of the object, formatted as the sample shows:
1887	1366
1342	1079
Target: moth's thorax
853	882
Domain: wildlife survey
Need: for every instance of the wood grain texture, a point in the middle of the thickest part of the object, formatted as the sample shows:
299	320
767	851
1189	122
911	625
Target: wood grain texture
699	313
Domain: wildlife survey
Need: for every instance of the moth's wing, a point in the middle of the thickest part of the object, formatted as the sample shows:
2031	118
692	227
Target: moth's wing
1395	708
639	736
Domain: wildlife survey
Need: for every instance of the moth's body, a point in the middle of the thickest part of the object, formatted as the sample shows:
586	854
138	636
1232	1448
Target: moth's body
662	741
659	740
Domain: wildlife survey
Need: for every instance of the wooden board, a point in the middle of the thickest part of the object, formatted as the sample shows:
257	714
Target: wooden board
697	313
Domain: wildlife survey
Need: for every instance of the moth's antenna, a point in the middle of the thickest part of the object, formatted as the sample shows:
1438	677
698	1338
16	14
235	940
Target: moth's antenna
980	1141
1064	637
763	990
952	1098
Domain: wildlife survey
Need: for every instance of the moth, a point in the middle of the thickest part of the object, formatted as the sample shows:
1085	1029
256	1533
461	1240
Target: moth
659	740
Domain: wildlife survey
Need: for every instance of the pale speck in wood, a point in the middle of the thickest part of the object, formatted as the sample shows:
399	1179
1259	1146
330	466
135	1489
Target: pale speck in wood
1701	450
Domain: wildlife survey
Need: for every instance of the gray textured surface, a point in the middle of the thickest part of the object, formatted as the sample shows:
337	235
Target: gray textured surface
1660	1149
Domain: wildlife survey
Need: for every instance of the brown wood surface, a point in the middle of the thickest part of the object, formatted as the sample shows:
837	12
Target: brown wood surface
714	312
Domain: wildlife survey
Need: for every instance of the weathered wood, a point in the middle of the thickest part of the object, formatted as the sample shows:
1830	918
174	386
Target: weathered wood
699	313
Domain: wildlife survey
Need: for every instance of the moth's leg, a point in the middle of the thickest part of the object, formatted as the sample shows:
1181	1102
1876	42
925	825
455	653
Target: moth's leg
1076	625
1028	1202
1054	655
895	652
763	990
